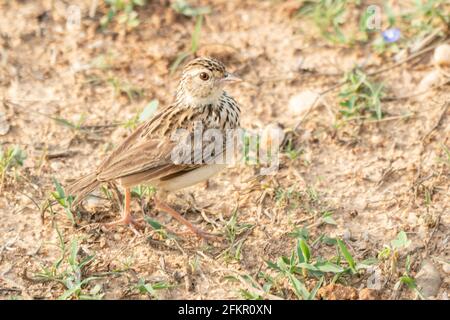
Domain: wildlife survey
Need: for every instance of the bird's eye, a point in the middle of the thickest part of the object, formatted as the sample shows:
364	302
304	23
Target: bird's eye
204	76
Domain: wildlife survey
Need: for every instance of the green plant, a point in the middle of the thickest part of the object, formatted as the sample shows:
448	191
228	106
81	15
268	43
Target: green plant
63	199
408	280
360	96
302	264
151	289
184	8
70	270
10	159
232	230
123	11
330	17
74	126
423	18
291	151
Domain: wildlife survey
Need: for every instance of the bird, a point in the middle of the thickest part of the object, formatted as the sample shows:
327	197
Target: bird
146	155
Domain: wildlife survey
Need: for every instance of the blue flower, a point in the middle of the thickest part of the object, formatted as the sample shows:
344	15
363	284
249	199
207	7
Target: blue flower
391	35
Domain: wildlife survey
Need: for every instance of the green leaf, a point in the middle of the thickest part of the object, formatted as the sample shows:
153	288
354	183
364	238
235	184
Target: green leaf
327	218
409	281
346	254
272	265
154	224
401	241
299	287
182	7
316	288
302	265
303	251
329	267
73	252
59	189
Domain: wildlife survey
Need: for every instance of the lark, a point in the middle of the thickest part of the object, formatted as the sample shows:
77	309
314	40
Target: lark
146	155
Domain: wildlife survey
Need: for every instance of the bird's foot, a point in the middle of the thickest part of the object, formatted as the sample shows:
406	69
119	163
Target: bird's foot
197	231
133	224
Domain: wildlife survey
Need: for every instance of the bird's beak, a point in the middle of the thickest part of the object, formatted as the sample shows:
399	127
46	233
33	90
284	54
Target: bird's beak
230	78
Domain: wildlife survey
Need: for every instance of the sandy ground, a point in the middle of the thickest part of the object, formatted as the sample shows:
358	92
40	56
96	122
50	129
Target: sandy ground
377	178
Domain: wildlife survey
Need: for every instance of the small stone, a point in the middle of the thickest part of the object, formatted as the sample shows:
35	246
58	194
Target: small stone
302	102
428	279
431	79
442	55
368	294
92	202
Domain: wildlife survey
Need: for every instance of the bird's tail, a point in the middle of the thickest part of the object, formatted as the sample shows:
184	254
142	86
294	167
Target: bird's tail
82	187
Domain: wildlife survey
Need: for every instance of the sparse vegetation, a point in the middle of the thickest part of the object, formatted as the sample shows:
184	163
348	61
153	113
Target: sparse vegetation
360	198
11	158
123	11
360	96
71	270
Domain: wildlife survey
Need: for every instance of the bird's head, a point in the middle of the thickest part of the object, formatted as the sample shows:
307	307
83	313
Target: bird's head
203	80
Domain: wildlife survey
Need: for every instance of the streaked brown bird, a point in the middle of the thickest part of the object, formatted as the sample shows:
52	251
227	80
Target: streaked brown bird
145	157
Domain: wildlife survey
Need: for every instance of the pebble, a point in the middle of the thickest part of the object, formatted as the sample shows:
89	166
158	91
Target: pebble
442	55
431	79
301	102
428	279
92	202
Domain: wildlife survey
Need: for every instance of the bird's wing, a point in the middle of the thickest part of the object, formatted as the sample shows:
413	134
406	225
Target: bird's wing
131	141
147	156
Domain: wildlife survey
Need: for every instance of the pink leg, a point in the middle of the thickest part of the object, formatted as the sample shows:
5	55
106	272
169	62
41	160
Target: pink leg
200	233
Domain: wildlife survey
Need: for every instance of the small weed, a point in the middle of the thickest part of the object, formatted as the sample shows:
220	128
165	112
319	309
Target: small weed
291	151
75	126
151	289
63	199
70	271
232	230
184	8
360	96
303	264
391	254
328	16
123	11
290	197
11	158
408	280
327	217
